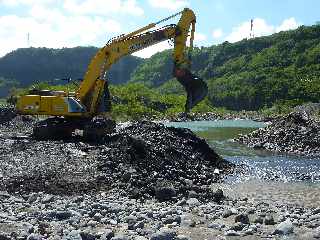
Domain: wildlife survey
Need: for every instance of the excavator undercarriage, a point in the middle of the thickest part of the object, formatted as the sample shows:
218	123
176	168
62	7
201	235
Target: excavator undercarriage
57	128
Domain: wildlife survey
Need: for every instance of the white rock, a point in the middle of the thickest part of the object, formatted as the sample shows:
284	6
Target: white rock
193	202
284	228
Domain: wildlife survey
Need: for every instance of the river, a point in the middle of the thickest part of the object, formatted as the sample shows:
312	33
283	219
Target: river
270	176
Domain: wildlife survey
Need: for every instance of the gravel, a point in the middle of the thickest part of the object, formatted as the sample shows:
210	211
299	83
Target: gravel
142	160
297	133
78	190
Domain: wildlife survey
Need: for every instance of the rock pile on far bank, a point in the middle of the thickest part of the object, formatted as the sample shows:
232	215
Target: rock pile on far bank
296	133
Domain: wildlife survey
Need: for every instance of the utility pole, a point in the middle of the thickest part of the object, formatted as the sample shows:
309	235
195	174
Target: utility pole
251	29
28	39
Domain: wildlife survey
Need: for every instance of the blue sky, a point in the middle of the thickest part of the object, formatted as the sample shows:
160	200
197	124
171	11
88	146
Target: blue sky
69	23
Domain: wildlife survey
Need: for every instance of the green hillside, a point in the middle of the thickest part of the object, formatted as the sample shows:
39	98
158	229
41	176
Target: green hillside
29	65
250	74
281	69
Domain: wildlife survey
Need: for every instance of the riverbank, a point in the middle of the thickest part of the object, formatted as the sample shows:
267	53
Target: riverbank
77	207
110	215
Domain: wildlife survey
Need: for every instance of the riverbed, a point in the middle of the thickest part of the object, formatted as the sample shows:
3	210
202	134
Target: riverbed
269	176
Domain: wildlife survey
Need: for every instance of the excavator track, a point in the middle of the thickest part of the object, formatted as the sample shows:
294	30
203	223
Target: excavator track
53	129
60	129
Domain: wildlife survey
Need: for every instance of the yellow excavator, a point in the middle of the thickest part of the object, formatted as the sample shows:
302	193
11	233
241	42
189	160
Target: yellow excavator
81	109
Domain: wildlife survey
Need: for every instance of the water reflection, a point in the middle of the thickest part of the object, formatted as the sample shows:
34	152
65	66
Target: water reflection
269	176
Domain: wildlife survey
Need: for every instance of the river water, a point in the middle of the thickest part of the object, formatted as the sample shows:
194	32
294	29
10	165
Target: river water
270	176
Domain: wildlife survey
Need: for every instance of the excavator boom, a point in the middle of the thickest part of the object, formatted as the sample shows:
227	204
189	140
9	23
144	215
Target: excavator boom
124	45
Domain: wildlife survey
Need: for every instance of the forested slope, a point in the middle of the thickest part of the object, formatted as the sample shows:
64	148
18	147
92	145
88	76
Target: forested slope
250	74
29	65
283	68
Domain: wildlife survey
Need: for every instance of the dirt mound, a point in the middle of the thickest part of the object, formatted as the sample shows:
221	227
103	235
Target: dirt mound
295	133
142	160
6	114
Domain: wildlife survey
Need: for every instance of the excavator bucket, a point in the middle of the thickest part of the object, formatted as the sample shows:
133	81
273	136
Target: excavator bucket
195	87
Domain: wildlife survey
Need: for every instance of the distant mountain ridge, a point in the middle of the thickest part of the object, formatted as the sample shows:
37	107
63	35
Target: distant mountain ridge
29	65
249	74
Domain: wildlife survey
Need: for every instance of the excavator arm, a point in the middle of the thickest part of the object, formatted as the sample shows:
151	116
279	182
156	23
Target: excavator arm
93	91
82	109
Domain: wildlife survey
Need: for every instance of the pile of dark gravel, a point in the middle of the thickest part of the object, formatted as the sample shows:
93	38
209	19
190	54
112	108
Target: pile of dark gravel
296	133
142	160
148	157
6	114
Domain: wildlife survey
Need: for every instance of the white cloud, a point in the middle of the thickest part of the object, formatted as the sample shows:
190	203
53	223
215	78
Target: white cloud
288	24
260	28
103	7
243	30
217	33
15	3
52	29
148	52
199	38
169	4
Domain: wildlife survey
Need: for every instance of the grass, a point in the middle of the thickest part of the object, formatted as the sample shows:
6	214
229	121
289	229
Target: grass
3	101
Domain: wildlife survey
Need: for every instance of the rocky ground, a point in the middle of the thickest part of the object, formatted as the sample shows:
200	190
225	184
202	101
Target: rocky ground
145	181
296	133
110	215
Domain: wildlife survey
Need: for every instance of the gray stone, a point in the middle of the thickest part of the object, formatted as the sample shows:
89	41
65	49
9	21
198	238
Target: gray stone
237	226
216	226
113	222
269	220
87	236
97	217
284	228
60	215
92	223
139	224
32	197
47	199
258	219
187	221
314	217
316	211
165	193
140	238
218	196
181	237
120	237
250	211
231	233
33	236
4	236
193	202
316	233
227	213
73	235
249	231
192	194
243	218
163	234
107	235
182	202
